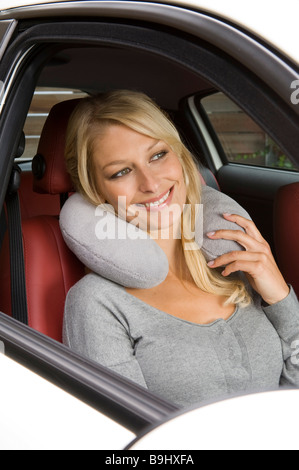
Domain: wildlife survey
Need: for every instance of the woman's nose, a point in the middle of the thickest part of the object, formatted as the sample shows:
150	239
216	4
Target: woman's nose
148	182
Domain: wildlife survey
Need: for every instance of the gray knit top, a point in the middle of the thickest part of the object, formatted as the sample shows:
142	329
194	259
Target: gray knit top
256	349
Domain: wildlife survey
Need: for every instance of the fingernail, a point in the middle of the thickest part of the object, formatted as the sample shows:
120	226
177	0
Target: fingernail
210	234
211	263
226	214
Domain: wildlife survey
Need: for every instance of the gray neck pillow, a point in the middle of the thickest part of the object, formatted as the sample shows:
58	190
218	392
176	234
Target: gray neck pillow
128	255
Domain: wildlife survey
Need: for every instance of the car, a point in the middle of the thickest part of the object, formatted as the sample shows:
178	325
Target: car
227	73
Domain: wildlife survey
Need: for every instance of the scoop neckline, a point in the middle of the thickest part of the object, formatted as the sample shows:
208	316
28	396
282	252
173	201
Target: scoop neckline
202	325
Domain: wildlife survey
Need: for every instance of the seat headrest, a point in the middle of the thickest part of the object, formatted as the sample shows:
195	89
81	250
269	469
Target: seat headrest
48	166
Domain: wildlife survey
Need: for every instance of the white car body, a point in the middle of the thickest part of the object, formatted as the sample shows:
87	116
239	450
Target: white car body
57	419
242	423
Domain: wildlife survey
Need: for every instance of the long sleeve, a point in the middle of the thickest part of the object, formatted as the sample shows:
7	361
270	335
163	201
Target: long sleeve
92	329
284	316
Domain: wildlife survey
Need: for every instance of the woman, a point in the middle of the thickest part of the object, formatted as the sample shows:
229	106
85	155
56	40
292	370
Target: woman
205	332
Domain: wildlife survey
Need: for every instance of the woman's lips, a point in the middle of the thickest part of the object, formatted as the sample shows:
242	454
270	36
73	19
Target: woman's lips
158	203
155	199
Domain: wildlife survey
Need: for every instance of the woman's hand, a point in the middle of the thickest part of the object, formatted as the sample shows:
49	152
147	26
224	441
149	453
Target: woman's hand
257	262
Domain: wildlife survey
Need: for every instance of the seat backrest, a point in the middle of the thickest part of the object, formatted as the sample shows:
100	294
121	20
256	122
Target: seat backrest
286	233
51	269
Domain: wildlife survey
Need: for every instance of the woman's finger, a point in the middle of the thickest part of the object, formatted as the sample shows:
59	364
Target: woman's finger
237	256
248	242
248	225
257	262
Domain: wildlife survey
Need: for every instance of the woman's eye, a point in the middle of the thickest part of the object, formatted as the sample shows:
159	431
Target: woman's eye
121	173
126	171
159	155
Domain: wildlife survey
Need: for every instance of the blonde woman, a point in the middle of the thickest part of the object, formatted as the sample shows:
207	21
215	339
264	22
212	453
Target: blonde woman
205	332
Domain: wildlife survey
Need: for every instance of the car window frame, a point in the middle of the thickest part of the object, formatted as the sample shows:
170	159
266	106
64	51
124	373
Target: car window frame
292	109
216	30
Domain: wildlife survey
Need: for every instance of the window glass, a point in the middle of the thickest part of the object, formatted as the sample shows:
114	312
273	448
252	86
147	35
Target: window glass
43	100
243	141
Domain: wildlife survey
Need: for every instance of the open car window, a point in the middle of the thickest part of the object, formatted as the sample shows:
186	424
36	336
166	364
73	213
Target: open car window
242	140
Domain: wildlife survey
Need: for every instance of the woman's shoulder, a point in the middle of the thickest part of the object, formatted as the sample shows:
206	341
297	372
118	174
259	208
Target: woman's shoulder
92	303
92	309
93	286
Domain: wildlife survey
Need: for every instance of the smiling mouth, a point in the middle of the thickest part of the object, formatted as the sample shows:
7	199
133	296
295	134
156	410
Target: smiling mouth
158	203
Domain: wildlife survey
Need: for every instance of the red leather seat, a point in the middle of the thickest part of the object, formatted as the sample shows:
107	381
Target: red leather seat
286	233
51	269
33	204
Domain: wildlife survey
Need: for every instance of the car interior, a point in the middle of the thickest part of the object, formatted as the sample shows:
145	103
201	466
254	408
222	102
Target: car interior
270	193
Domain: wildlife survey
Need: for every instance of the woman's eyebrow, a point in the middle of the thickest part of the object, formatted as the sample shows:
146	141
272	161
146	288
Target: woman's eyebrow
122	162
115	162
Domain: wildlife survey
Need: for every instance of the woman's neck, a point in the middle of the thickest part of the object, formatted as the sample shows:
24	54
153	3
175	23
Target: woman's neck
172	248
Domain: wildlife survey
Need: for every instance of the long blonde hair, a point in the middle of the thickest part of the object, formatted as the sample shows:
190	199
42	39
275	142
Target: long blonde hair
138	112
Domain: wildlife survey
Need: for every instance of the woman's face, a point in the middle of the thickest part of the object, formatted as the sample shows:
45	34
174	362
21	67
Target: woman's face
145	172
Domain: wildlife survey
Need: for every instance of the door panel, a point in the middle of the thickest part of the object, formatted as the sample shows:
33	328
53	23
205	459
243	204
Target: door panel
255	188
